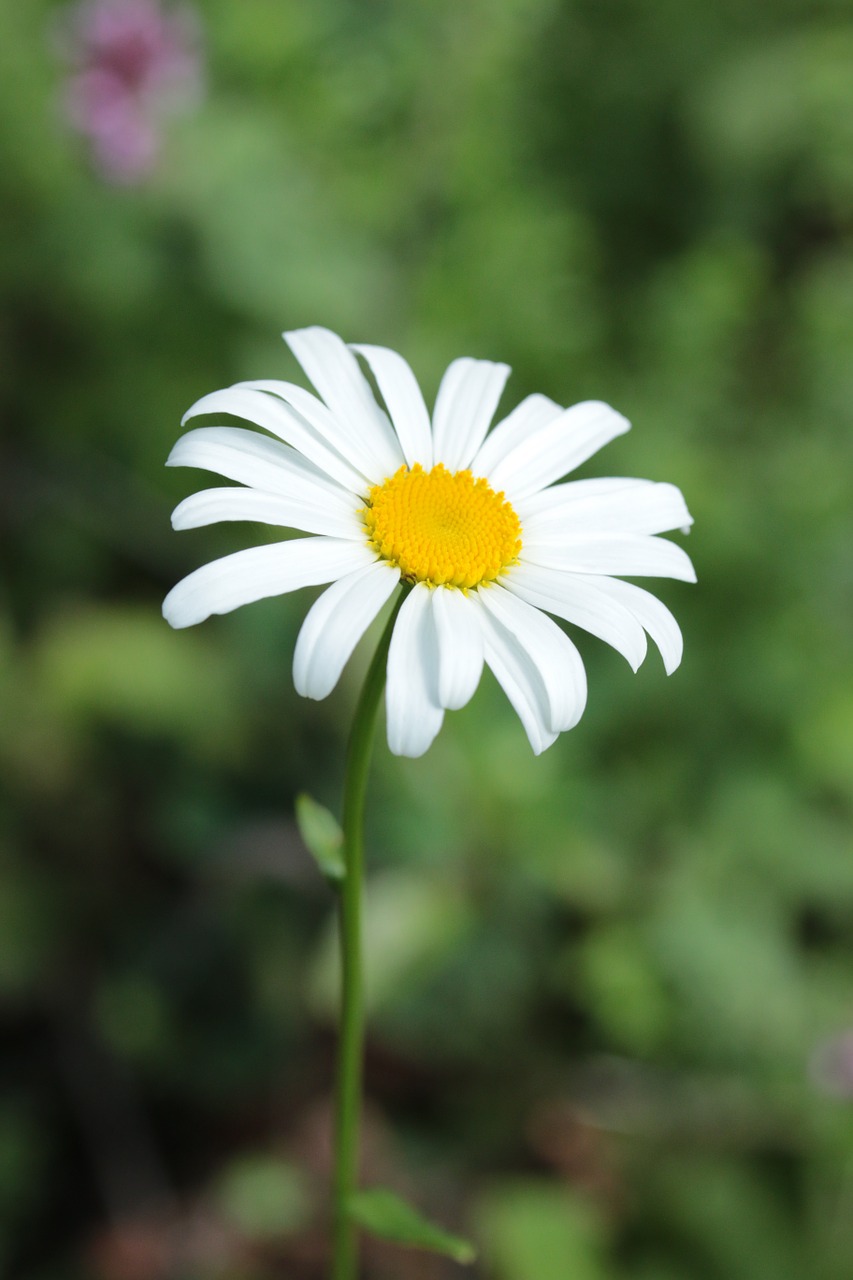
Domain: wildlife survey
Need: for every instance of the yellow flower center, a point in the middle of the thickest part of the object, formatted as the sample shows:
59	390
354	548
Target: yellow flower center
442	528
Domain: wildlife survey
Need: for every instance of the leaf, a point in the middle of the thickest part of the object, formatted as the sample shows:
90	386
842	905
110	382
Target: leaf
539	1228
385	1215
323	837
265	1197
412	924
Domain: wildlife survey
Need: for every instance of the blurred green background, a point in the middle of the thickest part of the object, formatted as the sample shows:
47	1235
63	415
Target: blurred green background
608	986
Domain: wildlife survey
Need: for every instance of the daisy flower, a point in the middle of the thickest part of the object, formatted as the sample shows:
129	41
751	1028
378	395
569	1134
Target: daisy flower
471	519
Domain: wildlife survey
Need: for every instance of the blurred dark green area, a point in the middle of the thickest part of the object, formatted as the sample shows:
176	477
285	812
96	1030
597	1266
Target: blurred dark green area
605	984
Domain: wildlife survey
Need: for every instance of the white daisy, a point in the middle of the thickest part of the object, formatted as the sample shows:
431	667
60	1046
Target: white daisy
471	518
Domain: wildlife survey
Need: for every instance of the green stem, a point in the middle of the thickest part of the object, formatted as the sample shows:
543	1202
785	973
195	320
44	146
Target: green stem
348	1091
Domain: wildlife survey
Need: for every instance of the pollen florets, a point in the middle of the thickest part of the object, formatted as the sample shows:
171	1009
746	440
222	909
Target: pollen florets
442	528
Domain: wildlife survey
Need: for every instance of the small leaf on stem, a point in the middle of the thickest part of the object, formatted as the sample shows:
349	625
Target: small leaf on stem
323	837
384	1214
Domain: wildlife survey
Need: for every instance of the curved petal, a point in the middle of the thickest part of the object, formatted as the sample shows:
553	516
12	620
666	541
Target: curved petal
274	415
520	681
548	650
261	463
334	371
556	448
411	695
464	408
460	646
582	506
599	486
631	555
581	602
260	572
334	625
399	389
209	506
349	444
651	614
533	413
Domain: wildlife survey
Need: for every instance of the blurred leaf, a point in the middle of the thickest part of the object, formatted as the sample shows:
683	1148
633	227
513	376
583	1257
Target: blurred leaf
539	1231
31	925
323	837
743	1226
410	924
252	197
22	1151
264	1197
734	967
126	665
623	989
826	739
788	98
133	1016
384	1214
263	34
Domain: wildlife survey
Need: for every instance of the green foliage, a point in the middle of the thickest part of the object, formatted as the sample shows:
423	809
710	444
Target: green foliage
602	982
264	1196
322	835
538	1230
384	1214
411	925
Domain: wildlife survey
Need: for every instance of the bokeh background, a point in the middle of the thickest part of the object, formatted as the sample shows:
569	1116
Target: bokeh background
611	1026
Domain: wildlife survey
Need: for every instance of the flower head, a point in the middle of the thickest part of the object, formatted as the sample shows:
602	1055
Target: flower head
132	65
471	519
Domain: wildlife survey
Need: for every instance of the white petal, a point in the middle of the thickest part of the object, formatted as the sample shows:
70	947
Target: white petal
555	659
651	613
631	555
404	402
350	444
411	695
261	463
520	681
599	486
209	506
460	646
531	415
585	506
556	448
465	405
334	371
274	415
334	625
581	602
250	575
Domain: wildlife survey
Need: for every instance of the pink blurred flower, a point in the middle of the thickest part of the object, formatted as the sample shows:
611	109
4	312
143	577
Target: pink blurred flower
132	64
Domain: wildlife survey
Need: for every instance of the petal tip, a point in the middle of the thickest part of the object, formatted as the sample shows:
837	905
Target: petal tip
406	751
172	614
290	334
